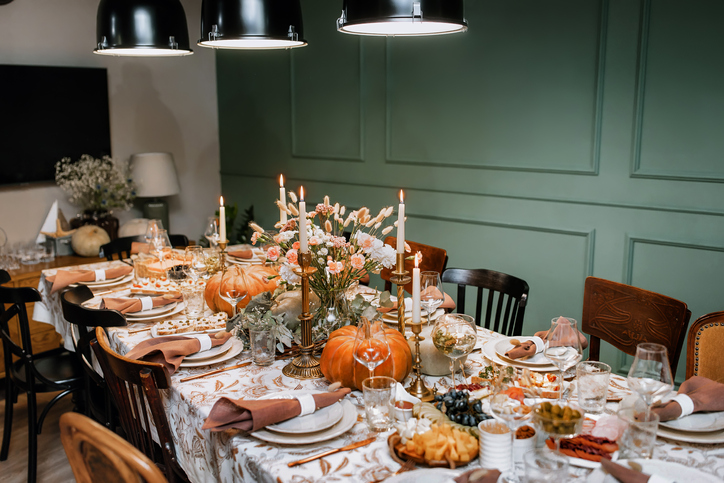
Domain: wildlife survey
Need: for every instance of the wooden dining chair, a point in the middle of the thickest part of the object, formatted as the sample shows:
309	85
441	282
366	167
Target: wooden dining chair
704	354
98	402
56	370
96	454
120	248
135	387
433	259
625	316
506	298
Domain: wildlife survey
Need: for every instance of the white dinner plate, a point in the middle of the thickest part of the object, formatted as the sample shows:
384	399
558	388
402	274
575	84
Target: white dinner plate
109	283
236	347
428	475
244	263
317	421
489	352
712	437
209	353
162	309
698	422
668	469
349	419
503	346
178	308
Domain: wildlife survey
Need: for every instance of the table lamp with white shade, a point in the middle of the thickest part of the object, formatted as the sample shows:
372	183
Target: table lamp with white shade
155	177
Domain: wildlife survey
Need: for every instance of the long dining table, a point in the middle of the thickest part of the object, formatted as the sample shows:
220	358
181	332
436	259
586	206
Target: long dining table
231	456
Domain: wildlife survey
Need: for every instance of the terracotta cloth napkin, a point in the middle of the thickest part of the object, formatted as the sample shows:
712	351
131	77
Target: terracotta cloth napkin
447	303
63	278
140	247
253	415
130	305
525	349
584	342
171	350
706	394
479	475
622	473
244	254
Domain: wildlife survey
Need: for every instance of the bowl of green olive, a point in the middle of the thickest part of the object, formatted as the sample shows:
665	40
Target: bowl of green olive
565	419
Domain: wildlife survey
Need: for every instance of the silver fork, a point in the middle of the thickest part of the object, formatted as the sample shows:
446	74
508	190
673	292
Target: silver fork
409	465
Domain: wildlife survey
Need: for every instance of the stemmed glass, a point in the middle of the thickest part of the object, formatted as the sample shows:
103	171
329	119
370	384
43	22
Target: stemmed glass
563	347
370	346
510	410
212	231
195	262
159	242
650	373
431	294
455	336
232	290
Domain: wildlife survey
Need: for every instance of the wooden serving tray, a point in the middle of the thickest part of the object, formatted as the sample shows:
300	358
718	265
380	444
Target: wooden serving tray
400	455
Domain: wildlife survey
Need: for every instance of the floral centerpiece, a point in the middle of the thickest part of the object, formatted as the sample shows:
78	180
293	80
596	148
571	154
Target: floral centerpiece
96	184
340	260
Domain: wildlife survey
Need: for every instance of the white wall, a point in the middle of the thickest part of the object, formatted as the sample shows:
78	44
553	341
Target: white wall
156	104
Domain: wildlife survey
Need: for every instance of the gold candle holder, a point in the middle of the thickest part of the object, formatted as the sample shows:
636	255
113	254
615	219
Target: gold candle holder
305	365
400	277
417	387
222	255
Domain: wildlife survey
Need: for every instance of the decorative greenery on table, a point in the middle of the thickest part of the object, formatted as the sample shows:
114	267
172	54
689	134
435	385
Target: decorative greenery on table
96	184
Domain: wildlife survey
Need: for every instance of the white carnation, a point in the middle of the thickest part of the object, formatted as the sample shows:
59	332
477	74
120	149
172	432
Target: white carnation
287	274
285	236
385	255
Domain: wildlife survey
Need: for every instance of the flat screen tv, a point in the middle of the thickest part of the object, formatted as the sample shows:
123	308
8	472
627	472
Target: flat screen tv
48	113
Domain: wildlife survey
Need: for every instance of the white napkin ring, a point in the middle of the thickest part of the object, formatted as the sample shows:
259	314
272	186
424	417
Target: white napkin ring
687	405
307	402
100	275
204	340
146	303
539	344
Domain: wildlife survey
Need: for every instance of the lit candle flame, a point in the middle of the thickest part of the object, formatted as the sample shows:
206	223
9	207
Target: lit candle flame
281	181
301	193
221	201
402	197
418	259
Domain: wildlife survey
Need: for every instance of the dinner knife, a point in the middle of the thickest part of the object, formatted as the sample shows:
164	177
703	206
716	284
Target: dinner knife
356	445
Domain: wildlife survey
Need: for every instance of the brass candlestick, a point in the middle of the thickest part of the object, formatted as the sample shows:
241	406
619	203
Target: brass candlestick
400	277
305	365
222	254
417	387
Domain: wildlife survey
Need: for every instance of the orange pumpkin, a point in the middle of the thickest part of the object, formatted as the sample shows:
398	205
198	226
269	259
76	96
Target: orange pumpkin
255	281
339	365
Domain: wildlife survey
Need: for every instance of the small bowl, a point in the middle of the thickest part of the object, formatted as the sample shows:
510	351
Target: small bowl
402	413
558	426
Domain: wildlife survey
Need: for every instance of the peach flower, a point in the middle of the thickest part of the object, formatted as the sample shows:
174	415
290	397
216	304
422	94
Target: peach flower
273	253
358	261
334	267
292	257
295	245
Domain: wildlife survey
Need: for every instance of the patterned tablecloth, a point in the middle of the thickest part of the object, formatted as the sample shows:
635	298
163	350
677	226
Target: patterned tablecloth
233	457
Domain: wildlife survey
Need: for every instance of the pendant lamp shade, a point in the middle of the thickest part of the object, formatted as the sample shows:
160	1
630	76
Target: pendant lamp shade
251	24
142	28
402	17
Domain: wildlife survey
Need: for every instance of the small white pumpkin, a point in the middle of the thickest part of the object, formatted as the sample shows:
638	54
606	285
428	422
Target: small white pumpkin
87	240
134	227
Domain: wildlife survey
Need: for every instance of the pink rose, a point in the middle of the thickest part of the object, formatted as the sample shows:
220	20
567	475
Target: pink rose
358	261
292	257
273	253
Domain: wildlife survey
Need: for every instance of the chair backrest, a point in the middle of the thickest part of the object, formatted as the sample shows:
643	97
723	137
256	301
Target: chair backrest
433	259
87	320
704	355
135	388
121	247
96	454
12	304
624	316
507	297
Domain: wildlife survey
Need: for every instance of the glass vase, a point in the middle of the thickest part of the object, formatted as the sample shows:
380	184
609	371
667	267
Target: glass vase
333	313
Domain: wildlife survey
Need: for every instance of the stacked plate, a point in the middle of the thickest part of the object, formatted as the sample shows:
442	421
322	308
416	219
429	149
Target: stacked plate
258	256
695	428
228	350
321	425
495	351
112	282
156	312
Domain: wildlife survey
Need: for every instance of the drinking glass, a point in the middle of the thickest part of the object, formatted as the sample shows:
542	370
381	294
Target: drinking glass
563	346
542	467
193	296
195	262
378	393
510	411
592	384
455	336
230	291
370	346
263	348
212	231
650	373
639	437
152	229
558	425
431	294
159	242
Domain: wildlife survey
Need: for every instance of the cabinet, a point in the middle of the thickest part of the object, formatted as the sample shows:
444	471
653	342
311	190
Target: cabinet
43	336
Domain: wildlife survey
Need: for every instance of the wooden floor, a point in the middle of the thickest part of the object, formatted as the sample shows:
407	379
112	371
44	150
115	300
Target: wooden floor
52	463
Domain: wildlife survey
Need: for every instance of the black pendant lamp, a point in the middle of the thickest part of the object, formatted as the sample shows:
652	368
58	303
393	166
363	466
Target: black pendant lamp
251	24
142	28
402	17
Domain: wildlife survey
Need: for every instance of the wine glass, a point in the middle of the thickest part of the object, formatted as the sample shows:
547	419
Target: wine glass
212	231
159	242
152	229
455	336
650	373
563	347
232	287
195	262
506	405
370	346
431	294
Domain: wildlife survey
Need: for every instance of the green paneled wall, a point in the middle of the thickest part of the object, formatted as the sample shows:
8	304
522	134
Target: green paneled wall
552	141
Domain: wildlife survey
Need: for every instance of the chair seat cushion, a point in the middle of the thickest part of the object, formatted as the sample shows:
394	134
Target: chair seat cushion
61	367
